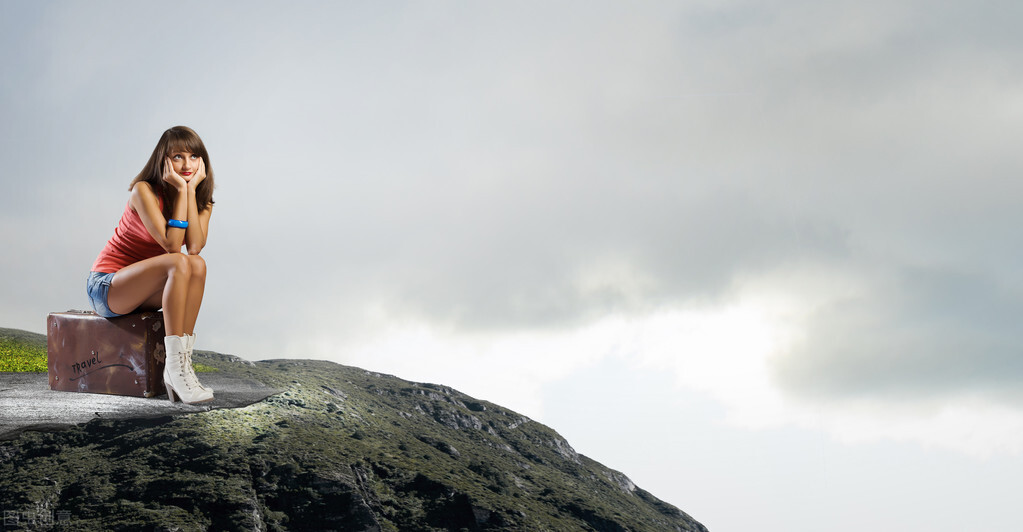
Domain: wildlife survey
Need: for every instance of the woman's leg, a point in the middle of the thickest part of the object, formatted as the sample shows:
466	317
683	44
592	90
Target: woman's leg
161	281
174	281
196	287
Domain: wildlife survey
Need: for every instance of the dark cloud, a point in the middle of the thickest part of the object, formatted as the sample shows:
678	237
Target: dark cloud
922	334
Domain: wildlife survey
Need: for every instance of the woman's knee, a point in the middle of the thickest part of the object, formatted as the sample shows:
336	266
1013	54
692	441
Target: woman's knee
197	266
179	265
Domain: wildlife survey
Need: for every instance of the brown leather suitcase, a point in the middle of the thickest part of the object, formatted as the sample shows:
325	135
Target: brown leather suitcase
120	356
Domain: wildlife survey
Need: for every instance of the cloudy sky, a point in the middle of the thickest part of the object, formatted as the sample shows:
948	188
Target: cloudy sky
764	258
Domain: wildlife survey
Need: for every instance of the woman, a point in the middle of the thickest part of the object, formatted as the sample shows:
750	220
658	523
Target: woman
142	266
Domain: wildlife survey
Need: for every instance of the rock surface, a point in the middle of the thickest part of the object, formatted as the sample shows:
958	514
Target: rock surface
339	448
27	403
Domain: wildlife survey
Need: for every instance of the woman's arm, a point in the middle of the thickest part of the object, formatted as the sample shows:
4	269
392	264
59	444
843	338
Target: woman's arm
198	225
147	205
198	221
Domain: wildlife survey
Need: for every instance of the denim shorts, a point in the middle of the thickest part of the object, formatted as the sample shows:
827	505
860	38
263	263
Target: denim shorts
97	286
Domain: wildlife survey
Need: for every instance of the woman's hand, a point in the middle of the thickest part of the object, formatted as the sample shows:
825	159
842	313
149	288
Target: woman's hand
199	175
171	177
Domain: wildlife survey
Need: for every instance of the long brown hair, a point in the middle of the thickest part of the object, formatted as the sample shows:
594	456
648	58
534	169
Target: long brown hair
175	139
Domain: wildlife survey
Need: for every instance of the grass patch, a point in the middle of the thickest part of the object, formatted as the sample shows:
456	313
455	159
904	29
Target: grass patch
22	356
22	351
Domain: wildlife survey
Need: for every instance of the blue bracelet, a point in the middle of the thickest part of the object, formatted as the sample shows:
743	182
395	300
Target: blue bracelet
177	223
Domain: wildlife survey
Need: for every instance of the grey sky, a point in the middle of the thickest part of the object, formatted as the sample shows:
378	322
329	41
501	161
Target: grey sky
489	173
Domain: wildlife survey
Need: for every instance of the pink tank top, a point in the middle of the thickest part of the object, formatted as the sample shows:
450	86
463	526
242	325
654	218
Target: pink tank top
131	243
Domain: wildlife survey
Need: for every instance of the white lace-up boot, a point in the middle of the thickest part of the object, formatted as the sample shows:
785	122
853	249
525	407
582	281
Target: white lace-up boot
178	377
189	344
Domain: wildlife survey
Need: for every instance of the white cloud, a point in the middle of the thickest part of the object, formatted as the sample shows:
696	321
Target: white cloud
725	350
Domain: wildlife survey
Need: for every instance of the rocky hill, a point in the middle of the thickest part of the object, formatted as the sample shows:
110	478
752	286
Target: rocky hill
339	448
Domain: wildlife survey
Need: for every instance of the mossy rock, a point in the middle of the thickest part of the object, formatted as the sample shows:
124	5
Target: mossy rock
339	448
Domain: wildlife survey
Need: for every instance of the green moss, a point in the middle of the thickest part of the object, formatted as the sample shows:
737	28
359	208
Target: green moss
203	368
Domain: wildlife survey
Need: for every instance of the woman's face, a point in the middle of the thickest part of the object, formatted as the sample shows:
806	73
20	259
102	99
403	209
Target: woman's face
185	164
